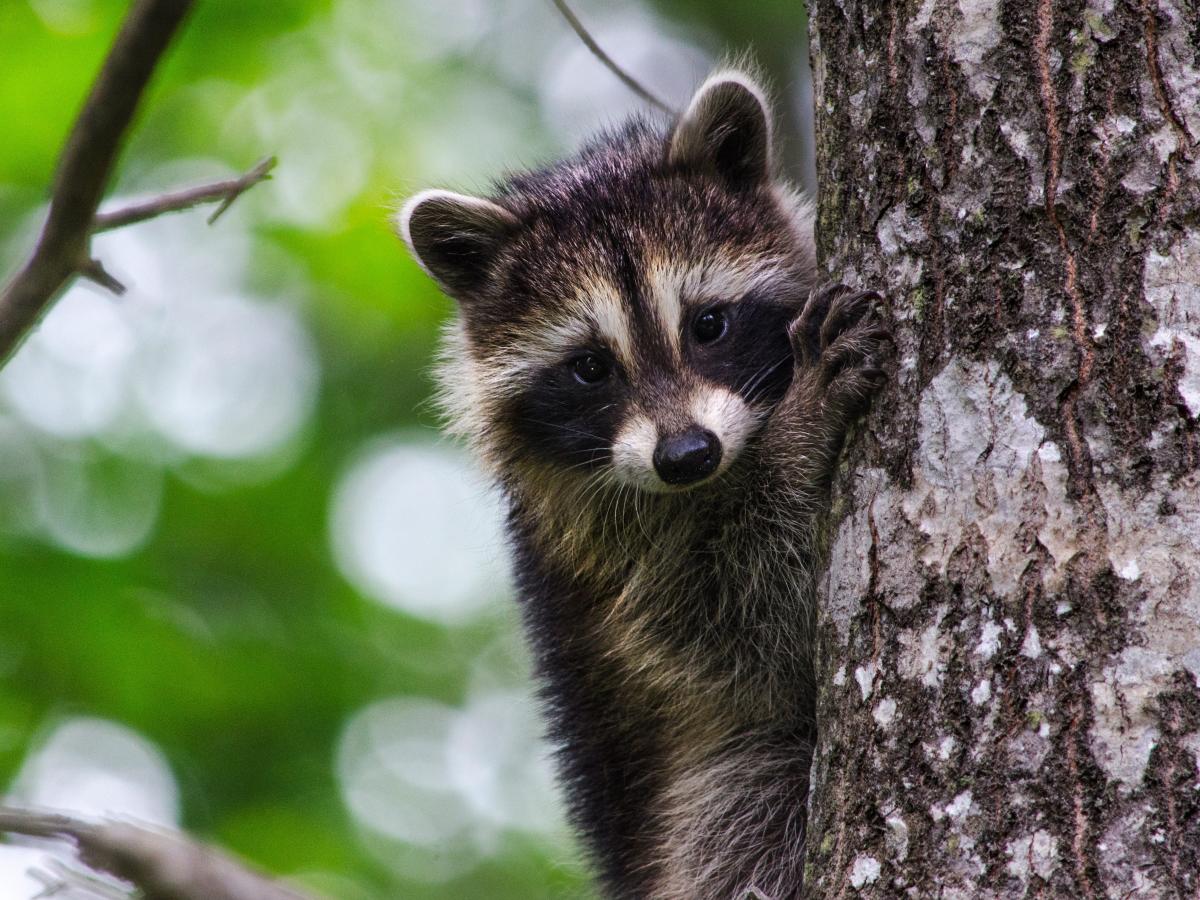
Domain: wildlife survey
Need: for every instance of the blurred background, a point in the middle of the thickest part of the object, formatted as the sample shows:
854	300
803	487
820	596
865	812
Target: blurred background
245	588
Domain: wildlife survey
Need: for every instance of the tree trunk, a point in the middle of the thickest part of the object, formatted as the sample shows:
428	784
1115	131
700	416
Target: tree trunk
1010	632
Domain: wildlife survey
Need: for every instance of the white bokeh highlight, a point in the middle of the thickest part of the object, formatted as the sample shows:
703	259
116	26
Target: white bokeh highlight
414	527
97	504
17	867
90	768
70	380
108	394
498	764
93	767
395	775
228	377
435	788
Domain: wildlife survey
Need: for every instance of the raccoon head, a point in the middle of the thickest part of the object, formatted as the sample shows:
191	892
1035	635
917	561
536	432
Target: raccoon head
625	311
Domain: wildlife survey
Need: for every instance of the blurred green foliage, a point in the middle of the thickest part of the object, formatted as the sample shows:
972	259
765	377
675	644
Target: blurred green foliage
228	638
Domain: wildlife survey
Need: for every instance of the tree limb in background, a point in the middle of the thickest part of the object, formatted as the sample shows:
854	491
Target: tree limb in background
84	169
162	864
597	51
226	191
174	201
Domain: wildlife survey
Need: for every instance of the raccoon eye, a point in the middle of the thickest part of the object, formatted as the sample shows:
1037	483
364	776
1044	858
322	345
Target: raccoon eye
710	325
590	368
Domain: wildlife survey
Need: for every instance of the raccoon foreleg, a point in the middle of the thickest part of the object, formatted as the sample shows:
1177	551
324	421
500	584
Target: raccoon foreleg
839	344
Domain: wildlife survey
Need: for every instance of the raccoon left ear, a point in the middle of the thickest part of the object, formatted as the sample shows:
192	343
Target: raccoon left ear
727	129
455	237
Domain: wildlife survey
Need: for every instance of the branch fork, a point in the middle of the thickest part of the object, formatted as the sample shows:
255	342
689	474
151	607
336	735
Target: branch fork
84	169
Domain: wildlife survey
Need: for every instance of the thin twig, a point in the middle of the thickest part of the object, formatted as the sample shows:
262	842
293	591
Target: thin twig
590	42
162	864
93	270
226	191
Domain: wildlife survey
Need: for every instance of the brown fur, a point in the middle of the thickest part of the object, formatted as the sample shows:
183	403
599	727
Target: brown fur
671	626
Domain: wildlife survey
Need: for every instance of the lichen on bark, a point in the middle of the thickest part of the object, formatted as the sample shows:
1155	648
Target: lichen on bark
1010	627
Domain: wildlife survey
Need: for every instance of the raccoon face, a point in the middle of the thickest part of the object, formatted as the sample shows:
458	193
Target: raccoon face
625	311
664	382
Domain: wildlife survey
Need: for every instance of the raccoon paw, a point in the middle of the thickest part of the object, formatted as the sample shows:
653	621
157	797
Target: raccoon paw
839	344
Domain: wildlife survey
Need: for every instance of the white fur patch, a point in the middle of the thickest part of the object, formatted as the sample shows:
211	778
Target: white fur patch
676	287
633	454
665	299
721	411
607	312
726	415
596	314
543	346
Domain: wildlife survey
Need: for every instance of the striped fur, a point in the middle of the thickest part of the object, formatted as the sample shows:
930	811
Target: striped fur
671	623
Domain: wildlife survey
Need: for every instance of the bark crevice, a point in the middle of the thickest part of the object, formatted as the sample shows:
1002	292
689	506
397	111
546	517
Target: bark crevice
1010	634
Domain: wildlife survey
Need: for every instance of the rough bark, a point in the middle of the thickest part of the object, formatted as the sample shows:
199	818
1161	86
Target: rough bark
1010	632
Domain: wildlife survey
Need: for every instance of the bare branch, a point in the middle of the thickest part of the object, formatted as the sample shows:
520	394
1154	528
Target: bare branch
84	170
163	865
86	165
590	42
226	191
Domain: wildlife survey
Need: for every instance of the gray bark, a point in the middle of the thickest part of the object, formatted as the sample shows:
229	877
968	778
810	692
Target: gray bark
1010	628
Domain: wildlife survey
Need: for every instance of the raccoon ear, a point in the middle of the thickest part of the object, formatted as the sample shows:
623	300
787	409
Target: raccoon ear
727	129
454	237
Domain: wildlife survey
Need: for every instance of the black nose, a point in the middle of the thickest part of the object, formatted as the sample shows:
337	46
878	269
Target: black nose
688	456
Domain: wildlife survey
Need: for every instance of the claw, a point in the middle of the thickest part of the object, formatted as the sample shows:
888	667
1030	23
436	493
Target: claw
829	312
847	310
839	341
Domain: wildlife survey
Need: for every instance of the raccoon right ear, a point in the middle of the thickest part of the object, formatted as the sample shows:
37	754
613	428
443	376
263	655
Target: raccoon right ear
454	237
726	129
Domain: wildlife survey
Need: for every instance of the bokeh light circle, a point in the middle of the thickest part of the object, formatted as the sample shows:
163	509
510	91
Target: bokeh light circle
414	527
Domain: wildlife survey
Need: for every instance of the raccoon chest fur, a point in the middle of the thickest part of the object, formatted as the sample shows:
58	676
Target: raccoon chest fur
642	362
701	603
676	669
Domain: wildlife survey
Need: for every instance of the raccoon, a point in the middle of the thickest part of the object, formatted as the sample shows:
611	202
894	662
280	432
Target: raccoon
642	363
